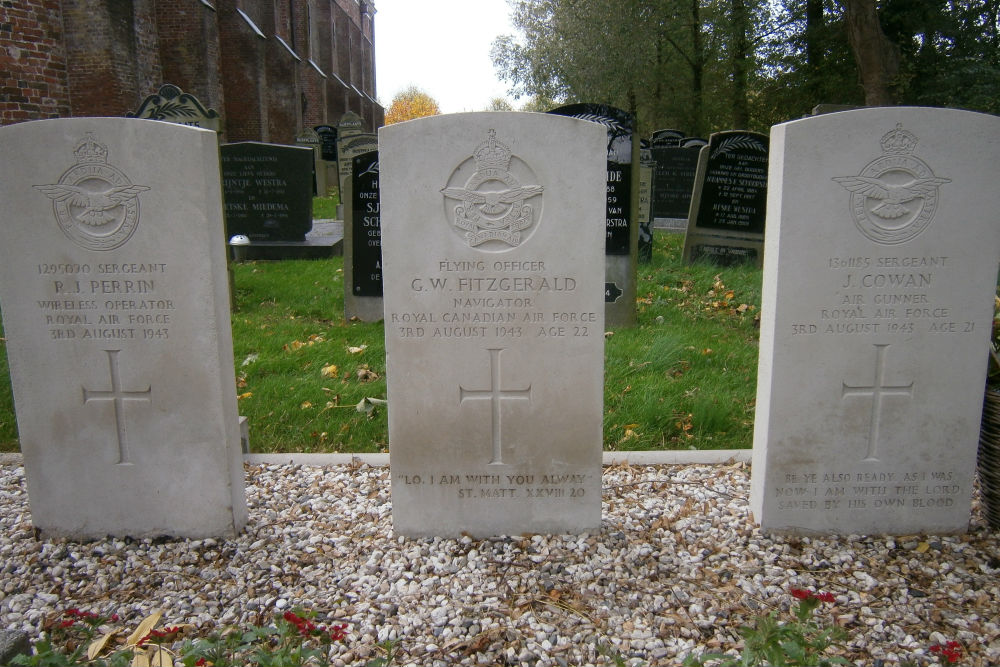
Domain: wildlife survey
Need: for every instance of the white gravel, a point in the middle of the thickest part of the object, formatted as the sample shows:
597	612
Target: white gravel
677	568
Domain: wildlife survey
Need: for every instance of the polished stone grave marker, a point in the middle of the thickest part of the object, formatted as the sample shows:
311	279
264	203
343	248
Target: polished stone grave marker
492	224
673	180
621	190
116	311
363	242
729	202
879	278
268	190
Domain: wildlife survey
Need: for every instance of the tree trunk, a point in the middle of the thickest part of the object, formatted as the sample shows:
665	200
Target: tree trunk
876	56
739	48
697	68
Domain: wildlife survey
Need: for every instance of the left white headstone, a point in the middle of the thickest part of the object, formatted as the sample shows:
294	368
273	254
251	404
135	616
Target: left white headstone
115	302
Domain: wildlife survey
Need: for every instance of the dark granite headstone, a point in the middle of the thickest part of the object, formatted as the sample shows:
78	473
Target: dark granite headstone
673	180
664	138
328	142
729	203
367	238
267	189
693	142
310	139
621	125
734	191
622	233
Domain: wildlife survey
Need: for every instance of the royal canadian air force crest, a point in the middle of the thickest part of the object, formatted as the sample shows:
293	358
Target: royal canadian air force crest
95	203
492	208
895	197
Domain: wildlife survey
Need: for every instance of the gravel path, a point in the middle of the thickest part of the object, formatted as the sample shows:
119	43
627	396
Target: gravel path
676	568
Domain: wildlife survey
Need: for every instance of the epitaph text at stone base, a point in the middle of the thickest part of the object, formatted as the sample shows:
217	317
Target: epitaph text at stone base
493	245
116	311
879	280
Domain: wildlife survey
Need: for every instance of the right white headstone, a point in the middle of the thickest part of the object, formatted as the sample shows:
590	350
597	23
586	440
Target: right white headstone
883	237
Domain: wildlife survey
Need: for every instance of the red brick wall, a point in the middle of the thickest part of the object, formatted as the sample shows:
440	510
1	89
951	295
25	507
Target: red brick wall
103	57
111	56
242	66
189	49
33	64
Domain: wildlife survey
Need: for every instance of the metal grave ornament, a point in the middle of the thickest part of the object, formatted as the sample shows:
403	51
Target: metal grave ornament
95	203
487	217
895	196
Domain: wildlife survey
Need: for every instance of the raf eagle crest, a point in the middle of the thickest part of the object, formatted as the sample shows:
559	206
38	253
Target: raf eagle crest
95	204
895	197
489	214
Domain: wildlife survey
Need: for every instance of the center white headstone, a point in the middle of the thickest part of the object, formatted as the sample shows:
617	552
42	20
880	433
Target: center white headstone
493	228
116	310
880	271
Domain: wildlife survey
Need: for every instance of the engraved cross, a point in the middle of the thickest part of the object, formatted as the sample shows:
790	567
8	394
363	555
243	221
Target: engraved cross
496	394
118	398
877	390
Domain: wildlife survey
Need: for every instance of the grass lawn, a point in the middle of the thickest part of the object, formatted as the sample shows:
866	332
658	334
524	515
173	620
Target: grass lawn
684	378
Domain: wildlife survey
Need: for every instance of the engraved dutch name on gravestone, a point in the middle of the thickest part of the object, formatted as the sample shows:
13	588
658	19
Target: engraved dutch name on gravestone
873	304
115	304
488	324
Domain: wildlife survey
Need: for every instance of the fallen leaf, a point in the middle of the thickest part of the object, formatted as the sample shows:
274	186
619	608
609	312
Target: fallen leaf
366	405
143	628
328	371
250	358
160	657
922	547
96	646
357	350
306	405
244	395
365	374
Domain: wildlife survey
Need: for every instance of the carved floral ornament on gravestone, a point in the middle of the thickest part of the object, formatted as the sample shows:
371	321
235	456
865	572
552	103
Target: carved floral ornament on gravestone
94	202
487	214
894	198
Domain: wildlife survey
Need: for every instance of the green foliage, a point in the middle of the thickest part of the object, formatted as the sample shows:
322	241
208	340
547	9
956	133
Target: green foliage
325	208
724	64
303	374
294	640
798	642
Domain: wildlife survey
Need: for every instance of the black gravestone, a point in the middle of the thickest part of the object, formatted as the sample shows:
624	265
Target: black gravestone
734	192
729	203
327	142
367	231
267	190
664	138
621	126
673	180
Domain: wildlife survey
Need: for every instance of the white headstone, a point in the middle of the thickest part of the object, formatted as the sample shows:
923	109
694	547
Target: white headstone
116	311
493	228
879	276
